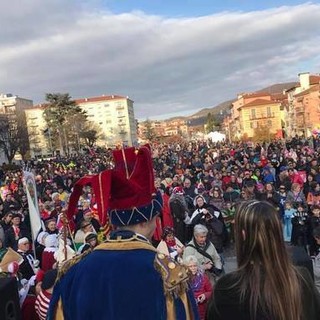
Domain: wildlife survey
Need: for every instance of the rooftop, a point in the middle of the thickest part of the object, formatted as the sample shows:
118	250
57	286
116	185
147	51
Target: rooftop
98	99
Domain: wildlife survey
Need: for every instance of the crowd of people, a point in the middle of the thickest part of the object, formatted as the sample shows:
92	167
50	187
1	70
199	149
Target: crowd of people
202	186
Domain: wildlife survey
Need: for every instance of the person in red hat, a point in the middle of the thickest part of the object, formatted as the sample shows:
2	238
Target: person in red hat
124	277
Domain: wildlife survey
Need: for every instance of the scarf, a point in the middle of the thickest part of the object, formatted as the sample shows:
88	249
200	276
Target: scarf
171	243
196	281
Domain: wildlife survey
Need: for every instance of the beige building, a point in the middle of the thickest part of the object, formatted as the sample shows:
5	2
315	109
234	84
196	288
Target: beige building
10	103
39	136
114	115
303	114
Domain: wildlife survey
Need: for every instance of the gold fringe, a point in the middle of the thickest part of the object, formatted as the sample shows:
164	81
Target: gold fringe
125	245
59	311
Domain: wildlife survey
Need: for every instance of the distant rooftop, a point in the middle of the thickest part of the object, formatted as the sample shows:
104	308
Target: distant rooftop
101	98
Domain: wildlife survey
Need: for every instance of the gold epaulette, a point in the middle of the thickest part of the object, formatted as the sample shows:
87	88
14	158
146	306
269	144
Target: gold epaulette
65	267
174	275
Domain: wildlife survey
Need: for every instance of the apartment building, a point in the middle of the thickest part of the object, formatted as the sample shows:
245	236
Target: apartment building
262	113
303	106
39	135
114	115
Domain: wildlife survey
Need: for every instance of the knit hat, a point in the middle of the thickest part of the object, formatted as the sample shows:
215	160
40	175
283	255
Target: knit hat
178	190
16	215
126	192
90	236
49	279
23	240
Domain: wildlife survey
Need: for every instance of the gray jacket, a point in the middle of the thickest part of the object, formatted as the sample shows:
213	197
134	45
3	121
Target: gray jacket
211	250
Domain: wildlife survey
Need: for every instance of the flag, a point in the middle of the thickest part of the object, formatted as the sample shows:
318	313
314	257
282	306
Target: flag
31	191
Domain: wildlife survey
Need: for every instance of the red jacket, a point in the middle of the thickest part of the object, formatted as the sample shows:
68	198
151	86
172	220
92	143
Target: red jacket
205	288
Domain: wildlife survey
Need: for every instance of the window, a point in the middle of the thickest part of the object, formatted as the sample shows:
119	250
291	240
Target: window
268	112
253	113
269	123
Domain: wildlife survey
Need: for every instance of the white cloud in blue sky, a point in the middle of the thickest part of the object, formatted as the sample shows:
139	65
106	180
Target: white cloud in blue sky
165	64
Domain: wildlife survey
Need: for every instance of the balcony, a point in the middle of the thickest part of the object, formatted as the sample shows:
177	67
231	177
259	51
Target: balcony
262	116
299	110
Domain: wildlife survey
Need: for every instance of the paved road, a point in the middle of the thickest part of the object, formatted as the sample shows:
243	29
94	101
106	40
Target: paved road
230	259
230	264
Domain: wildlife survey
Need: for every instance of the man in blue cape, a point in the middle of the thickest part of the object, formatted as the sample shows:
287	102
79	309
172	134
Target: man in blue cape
124	277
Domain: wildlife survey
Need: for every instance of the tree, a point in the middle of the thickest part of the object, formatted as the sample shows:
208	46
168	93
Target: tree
211	123
262	133
90	134
60	113
13	135
149	131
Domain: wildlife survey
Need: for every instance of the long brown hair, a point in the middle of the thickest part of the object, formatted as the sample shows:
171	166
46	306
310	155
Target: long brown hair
267	277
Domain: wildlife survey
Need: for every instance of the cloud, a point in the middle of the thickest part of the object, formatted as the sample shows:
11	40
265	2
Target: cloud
165	65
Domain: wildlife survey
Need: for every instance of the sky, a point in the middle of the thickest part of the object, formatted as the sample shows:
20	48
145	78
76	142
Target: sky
171	57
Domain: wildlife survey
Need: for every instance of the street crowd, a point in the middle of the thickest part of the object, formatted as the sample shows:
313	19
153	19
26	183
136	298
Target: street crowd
201	182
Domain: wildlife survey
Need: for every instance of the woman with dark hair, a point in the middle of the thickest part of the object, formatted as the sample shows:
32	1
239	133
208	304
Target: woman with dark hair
266	285
170	245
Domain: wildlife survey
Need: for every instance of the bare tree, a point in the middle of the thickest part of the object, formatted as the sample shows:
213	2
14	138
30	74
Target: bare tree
90	133
13	135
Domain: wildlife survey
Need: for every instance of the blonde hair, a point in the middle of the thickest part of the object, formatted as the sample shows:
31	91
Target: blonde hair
267	276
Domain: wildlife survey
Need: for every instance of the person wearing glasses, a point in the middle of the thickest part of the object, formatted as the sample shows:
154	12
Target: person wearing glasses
27	268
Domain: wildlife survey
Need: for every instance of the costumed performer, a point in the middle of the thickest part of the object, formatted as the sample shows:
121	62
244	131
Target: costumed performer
125	276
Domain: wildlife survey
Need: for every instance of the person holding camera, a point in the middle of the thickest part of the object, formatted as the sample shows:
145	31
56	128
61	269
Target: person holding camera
209	216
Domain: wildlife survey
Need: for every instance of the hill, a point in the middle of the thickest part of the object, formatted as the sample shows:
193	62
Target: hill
224	107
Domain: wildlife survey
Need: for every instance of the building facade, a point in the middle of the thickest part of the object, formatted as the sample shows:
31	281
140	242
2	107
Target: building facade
114	115
38	132
252	111
303	106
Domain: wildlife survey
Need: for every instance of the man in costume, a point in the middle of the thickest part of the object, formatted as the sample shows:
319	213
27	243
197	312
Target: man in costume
124	277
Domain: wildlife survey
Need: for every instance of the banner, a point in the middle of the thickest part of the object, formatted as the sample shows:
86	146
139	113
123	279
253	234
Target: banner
31	191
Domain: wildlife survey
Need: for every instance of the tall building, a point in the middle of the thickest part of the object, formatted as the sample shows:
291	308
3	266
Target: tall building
114	115
10	103
304	106
39	136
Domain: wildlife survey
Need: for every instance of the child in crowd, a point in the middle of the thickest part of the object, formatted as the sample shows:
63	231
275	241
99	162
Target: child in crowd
289	213
300	226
